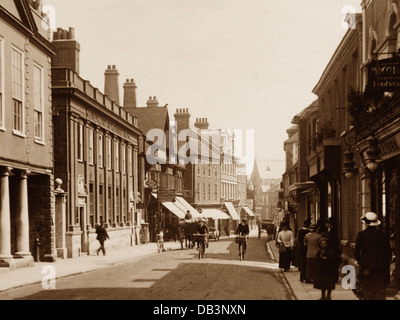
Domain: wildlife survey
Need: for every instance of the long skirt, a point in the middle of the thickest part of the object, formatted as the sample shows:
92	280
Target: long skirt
310	269
285	259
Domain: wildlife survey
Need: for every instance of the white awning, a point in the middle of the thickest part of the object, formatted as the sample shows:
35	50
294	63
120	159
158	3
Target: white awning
184	205
215	214
249	212
231	210
174	209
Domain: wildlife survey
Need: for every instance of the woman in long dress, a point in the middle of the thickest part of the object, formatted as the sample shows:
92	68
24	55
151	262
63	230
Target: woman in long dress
285	239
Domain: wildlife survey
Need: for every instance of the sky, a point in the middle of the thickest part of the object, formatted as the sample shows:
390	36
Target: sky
242	64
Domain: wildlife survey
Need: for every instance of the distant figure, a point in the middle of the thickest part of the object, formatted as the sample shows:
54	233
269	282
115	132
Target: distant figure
102	236
285	242
188	215
303	249
243	230
311	241
373	253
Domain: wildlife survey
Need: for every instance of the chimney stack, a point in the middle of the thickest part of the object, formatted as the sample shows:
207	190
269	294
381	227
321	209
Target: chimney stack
130	94
201	123
182	117
111	88
67	50
152	102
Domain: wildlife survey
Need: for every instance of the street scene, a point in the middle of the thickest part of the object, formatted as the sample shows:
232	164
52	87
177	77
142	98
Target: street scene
175	274
244	150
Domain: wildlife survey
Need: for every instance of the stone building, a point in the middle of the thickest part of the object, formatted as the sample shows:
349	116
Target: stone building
26	136
96	154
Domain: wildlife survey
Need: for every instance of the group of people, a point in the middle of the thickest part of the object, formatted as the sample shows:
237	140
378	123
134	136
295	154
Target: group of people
319	256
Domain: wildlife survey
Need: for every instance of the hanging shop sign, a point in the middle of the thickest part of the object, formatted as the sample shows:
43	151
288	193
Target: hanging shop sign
384	74
166	195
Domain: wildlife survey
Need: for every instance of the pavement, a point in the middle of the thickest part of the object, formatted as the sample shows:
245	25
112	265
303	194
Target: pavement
306	291
66	267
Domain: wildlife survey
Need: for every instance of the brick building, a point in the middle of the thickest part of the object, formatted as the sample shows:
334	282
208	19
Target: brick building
26	136
96	154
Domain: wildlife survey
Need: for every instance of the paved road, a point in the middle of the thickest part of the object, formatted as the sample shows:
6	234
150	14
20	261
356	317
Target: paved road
174	275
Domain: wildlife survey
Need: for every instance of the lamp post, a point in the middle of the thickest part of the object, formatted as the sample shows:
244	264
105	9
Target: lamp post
372	154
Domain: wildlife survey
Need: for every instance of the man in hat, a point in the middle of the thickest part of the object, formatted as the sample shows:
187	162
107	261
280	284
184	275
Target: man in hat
374	255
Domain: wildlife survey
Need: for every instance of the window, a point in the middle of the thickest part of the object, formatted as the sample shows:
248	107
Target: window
80	142
38	102
101	203
198	192
209	192
130	159
109	153
17	90
123	156
91	135
1	83
100	151
204	192
216	192
116	156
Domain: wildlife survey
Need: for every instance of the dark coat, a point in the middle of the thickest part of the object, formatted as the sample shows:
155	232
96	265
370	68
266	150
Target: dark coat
373	252
102	234
202	229
325	269
243	229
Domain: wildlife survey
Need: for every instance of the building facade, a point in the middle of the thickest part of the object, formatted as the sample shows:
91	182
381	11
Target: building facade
27	196
96	154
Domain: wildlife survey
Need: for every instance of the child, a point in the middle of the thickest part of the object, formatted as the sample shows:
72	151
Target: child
325	272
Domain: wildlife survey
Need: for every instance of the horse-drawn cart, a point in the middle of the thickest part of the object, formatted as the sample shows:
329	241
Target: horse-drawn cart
187	228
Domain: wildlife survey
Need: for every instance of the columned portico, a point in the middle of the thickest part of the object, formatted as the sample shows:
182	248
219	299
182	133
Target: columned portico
14	216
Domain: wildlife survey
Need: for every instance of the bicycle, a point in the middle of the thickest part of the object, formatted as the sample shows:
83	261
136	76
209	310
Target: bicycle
160	242
200	239
241	240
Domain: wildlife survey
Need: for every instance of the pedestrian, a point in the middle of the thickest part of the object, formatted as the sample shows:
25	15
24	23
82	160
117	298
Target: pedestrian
102	236
332	234
311	241
325	269
373	254
188	215
303	249
285	242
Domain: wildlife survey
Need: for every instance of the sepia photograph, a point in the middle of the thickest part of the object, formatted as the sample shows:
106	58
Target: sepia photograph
200	157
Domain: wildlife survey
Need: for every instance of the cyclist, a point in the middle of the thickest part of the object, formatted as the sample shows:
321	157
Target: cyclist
202	229
243	230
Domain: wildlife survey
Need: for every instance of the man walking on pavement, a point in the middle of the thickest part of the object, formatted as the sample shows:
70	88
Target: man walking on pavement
373	254
102	236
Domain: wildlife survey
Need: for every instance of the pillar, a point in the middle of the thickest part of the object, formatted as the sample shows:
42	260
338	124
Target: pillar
22	218
5	217
60	220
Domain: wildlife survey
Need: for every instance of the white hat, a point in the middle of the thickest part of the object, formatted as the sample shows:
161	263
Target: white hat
370	219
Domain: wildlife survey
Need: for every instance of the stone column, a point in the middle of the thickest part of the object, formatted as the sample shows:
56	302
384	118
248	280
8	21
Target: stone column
61	220
5	217
22	218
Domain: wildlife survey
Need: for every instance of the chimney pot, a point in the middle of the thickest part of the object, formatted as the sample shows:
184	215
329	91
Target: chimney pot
114	67
71	33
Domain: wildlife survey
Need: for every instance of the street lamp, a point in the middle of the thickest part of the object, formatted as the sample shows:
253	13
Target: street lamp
348	164
372	154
